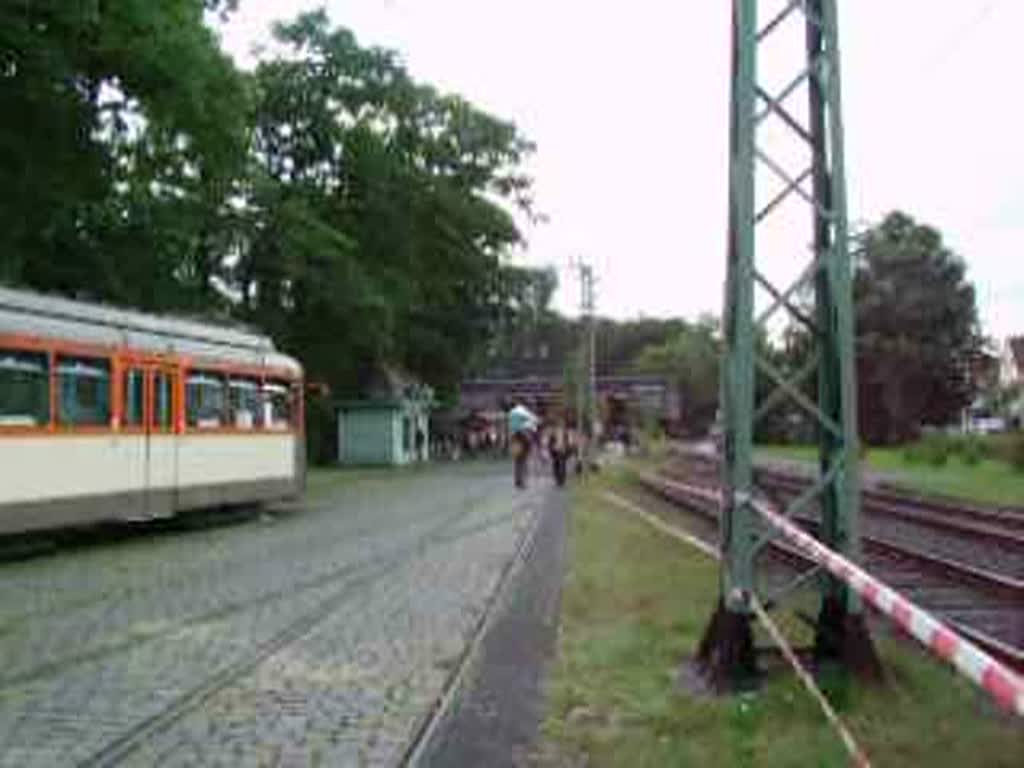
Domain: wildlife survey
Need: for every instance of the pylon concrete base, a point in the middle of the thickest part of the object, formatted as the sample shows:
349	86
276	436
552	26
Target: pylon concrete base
726	659
842	639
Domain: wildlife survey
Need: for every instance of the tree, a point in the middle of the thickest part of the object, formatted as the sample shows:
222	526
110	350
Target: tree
376	213
544	342
917	330
123	130
526	336
620	343
362	219
690	358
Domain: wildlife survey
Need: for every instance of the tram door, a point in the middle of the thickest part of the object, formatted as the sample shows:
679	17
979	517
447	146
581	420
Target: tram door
149	392
161	444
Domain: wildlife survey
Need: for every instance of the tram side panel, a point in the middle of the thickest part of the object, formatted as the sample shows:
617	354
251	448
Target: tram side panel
68	480
215	469
64	480
161	469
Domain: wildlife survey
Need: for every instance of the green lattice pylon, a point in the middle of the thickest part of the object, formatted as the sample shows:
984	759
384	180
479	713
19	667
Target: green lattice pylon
726	654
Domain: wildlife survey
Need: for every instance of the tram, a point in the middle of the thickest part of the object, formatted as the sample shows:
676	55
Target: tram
108	414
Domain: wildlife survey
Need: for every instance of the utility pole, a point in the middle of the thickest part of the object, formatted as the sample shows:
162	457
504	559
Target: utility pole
591	366
726	655
587	370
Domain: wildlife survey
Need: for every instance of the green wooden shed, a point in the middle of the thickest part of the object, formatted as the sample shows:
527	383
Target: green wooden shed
382	431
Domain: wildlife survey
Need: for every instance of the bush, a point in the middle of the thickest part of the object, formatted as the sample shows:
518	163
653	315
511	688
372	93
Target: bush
972	451
1016	451
935	450
963	445
1000	447
912	453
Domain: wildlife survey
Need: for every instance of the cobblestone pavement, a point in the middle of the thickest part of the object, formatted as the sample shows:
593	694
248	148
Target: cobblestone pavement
319	635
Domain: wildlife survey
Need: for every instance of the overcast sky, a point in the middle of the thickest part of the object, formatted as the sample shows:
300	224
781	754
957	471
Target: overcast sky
628	104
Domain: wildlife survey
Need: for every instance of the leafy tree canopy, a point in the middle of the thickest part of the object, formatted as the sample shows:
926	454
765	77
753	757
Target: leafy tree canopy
123	122
377	220
917	329
690	358
361	218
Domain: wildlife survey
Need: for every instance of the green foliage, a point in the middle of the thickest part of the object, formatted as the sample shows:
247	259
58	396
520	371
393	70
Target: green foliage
935	450
373	239
621	344
999	447
912	453
534	342
690	358
361	218
917	332
528	336
123	130
635	602
917	329
971	451
1016	451
991	481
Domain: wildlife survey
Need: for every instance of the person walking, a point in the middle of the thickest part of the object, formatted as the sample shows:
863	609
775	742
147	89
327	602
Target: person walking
521	425
520	456
558	449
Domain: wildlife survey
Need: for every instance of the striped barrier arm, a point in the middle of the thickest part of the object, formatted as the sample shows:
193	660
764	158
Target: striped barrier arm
996	679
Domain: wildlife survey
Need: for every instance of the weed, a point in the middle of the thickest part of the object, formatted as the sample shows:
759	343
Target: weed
1016	451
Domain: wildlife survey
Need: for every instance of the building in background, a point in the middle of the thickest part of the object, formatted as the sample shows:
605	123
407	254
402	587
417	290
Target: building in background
624	402
1011	362
1011	380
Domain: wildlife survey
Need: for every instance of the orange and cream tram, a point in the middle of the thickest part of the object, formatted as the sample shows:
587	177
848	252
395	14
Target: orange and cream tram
107	414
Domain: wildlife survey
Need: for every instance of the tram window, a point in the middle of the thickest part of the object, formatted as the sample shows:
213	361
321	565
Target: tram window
245	403
205	400
133	389
24	389
277	405
161	401
83	387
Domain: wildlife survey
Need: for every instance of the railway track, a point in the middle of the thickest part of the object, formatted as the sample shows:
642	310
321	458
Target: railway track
984	604
989	538
346	580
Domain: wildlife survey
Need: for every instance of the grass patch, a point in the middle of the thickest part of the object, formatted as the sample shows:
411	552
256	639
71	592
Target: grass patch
962	474
634	605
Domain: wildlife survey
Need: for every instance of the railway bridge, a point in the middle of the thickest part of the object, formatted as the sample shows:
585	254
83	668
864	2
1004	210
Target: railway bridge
621	399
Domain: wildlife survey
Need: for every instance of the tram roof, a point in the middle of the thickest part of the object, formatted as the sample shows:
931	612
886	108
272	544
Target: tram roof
33	314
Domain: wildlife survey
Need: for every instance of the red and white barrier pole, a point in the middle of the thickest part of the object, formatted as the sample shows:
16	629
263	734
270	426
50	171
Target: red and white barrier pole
995	678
